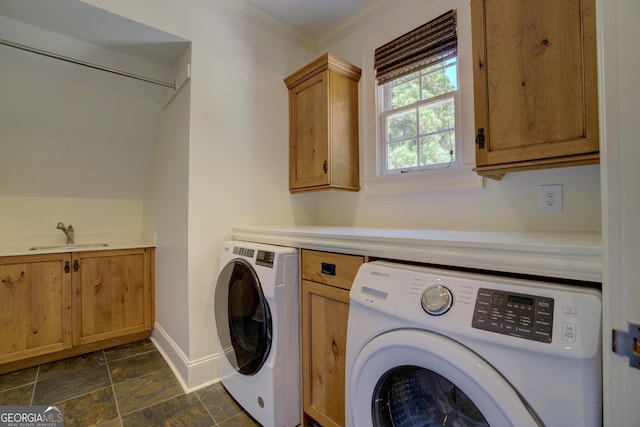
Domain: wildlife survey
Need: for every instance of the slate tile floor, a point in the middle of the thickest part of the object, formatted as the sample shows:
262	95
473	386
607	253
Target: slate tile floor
130	385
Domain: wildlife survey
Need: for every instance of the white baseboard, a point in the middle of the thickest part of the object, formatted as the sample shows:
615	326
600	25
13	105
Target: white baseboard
191	374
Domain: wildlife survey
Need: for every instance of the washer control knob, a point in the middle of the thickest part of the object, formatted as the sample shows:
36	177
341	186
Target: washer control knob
436	300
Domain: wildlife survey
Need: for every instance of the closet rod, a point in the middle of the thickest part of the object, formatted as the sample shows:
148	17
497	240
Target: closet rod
87	64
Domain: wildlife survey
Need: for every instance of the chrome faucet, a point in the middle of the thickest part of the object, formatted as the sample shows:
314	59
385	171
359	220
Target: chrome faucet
68	231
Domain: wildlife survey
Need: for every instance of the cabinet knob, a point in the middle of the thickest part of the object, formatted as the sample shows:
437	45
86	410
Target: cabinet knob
67	267
76	266
325	168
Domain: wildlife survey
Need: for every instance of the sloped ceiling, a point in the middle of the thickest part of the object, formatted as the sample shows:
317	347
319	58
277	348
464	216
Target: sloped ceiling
107	148
81	21
70	131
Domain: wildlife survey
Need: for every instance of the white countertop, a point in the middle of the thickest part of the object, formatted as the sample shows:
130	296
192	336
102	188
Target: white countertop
566	255
55	243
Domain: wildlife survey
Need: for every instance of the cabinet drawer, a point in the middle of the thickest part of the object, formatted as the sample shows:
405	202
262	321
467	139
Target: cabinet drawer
330	268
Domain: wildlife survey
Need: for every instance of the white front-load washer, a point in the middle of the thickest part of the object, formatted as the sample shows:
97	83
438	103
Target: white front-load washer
433	347
256	312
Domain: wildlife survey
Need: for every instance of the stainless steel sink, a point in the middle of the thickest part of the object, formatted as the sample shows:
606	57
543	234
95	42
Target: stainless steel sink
74	246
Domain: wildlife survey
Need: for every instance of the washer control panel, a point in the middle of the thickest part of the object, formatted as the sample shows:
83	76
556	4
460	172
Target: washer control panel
520	315
264	258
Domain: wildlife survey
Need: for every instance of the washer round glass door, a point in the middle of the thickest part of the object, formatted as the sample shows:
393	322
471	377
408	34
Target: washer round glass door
417	378
412	396
243	319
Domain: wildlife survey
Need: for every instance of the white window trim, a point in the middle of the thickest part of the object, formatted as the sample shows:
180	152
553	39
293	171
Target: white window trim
462	177
381	103
374	181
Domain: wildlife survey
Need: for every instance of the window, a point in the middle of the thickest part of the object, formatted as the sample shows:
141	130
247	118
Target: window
418	119
418	99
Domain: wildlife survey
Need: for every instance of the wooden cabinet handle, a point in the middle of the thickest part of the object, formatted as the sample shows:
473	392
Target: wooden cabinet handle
480	138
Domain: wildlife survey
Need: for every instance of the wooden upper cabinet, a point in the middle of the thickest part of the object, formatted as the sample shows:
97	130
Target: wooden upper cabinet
535	84
323	126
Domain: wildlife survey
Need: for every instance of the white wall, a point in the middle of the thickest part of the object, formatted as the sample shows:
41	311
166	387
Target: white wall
620	97
237	163
72	131
220	159
166	206
238	151
509	205
35	218
238	155
75	143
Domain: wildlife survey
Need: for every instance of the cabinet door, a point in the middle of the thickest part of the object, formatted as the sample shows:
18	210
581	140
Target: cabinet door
35	310
308	145
324	311
535	83
344	159
112	294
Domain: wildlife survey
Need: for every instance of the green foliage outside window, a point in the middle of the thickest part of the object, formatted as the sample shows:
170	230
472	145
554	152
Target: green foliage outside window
420	118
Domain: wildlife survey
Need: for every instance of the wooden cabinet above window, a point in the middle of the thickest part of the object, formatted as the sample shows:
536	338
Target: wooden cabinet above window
323	126
536	99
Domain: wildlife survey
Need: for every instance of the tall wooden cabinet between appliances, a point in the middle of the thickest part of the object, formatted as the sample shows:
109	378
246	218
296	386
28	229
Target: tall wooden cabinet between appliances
324	310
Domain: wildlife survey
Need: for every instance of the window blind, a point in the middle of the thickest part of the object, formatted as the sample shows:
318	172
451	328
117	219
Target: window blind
426	45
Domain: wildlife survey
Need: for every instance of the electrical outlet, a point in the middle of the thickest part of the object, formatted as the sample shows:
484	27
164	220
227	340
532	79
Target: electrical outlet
551	198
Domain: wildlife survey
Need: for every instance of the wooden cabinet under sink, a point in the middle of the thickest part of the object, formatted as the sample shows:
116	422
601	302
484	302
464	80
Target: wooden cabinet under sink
112	294
65	304
35	315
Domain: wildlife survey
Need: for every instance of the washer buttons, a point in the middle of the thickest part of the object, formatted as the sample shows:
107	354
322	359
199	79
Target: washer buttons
570	310
569	332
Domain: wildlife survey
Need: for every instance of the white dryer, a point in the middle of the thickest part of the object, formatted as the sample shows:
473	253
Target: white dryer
433	347
256	312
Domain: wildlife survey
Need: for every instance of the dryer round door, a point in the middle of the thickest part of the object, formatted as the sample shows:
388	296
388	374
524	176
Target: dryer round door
411	377
243	318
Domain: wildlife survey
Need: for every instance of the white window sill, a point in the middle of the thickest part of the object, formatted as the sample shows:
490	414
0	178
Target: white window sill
431	180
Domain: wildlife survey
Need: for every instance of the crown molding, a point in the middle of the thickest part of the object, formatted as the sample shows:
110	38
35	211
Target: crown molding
243	10
353	22
304	39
